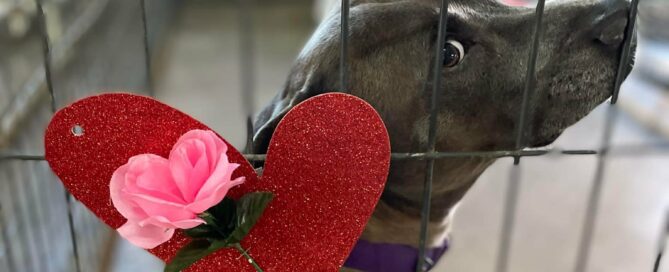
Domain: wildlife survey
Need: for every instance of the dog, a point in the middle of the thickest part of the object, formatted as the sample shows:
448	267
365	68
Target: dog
391	53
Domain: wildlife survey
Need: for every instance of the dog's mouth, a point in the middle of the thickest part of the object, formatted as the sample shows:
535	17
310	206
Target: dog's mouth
570	97
544	141
552	118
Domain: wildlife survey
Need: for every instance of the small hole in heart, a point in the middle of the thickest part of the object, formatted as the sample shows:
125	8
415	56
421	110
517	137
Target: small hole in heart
77	131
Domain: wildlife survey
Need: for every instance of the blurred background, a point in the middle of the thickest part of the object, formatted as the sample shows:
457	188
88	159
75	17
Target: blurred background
98	46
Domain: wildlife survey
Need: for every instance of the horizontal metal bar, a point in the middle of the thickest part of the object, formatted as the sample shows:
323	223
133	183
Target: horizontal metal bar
21	157
255	157
394	156
485	154
622	150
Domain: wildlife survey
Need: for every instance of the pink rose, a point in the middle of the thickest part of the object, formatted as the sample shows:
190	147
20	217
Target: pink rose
159	195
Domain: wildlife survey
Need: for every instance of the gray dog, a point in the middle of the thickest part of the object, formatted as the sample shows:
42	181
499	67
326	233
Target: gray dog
391	51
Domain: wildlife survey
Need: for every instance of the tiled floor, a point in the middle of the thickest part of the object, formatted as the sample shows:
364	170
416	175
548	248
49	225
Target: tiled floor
199	75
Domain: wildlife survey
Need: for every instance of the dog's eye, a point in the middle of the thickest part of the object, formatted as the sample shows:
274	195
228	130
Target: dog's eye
453	53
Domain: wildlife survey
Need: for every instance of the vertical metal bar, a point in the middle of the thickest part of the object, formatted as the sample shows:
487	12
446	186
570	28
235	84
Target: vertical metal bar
87	240
21	214
46	53
510	207
432	134
595	192
630	31
5	249
513	189
343	58
28	206
247	65
147	51
44	175
47	70
658	260
4	238
95	244
664	237
46	57
108	248
609	125
40	224
530	78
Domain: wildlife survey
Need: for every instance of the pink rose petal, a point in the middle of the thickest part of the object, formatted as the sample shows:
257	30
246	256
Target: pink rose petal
146	237
159	195
166	223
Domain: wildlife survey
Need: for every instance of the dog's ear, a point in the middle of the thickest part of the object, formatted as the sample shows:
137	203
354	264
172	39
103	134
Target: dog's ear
297	89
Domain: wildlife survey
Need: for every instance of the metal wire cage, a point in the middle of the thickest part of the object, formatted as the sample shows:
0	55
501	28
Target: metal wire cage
429	156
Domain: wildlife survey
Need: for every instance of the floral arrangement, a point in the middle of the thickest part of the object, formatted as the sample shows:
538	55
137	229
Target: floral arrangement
185	191
160	177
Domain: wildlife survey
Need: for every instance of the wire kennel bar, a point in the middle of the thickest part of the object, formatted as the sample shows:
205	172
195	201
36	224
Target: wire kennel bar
430	155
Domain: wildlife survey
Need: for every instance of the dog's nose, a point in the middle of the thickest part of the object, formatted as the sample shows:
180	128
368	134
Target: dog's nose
610	24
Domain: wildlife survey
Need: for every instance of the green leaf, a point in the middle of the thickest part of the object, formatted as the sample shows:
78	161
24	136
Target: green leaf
249	209
227	224
201	231
220	221
209	219
224	213
191	253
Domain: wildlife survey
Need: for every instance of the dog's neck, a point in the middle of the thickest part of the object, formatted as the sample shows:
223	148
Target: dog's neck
397	216
389	225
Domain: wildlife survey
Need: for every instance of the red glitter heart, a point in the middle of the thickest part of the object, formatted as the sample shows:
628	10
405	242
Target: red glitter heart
327	164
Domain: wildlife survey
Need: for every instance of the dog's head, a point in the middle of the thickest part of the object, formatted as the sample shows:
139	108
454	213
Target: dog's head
487	50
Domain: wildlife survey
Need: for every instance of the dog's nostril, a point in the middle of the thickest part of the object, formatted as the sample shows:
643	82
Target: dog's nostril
609	21
612	31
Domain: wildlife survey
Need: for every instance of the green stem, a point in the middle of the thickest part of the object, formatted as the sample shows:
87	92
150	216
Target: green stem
241	250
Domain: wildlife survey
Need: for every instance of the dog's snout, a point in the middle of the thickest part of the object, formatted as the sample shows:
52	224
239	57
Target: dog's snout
611	30
609	25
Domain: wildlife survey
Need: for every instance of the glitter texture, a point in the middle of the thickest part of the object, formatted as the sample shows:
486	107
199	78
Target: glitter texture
327	165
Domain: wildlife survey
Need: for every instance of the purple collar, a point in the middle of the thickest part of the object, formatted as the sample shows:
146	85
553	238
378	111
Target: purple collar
372	257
